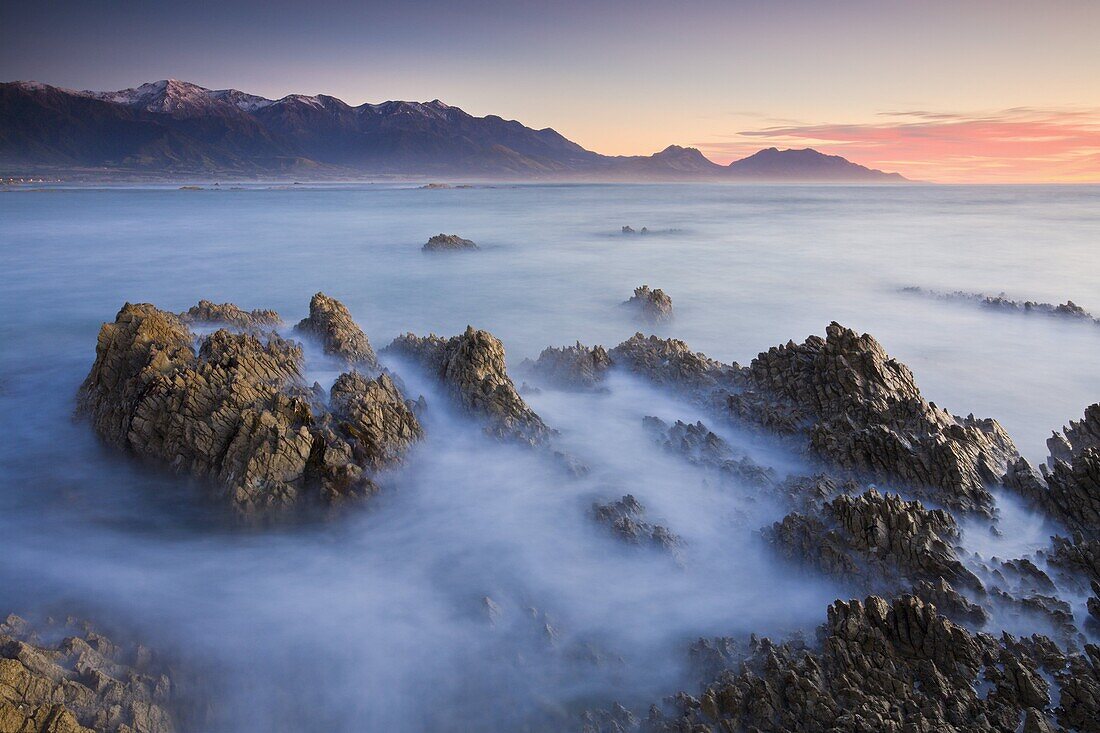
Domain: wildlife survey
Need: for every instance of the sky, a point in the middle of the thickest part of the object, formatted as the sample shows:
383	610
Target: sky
961	91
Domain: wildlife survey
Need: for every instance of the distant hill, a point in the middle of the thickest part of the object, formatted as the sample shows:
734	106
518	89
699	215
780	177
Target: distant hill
772	164
173	127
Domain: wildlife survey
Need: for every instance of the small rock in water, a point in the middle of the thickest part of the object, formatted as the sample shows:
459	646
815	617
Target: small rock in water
654	306
449	243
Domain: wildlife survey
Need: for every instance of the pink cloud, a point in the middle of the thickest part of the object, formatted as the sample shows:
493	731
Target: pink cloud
1012	146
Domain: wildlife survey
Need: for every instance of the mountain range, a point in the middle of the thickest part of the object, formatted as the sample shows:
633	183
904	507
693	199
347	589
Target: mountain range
174	127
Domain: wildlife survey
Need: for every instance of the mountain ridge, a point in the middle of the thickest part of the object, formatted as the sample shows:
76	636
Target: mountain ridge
177	127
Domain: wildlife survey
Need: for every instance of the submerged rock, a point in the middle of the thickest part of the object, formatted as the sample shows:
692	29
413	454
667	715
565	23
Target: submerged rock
82	683
1069	309
569	367
448	243
626	519
235	412
331	323
701	447
473	370
653	306
230	315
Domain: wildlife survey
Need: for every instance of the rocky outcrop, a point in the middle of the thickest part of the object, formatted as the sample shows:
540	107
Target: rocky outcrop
330	323
236	412
862	411
1067	487
652	306
374	417
626	520
227	314
472	369
448	243
892	666
82	683
569	367
670	363
701	447
878	540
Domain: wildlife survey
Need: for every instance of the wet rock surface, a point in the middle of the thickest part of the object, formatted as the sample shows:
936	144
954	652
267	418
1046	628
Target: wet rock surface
449	243
67	678
576	367
652	306
228	314
234	412
472	368
331	323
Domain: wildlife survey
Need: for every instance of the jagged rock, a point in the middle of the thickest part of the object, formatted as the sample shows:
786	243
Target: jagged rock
626	519
950	602
569	367
669	362
331	323
374	417
235	413
82	683
652	306
472	368
448	243
873	538
865	413
1068	485
230	315
888	666
701	447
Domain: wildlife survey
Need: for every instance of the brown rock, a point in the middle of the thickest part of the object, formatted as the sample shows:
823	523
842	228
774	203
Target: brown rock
472	369
330	322
652	306
230	315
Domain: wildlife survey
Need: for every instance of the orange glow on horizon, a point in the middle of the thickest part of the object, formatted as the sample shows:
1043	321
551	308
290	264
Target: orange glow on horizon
1021	145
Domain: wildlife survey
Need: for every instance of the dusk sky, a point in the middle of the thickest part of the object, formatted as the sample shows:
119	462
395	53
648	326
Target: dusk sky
968	91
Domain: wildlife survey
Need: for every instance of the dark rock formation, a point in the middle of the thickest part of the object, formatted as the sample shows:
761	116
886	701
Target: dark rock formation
875	539
626	519
85	682
652	306
228	314
701	447
1068	488
448	243
863	411
330	322
473	370
236	412
893	666
569	367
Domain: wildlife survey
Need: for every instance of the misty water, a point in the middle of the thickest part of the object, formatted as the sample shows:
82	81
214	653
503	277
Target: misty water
377	618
